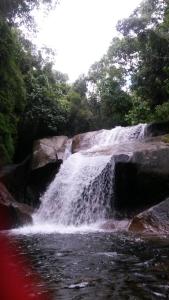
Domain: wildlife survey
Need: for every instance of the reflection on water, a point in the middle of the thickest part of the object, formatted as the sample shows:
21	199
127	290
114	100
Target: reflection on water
99	265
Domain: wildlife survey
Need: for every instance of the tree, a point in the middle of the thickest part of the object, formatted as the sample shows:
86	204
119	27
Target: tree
80	119
46	112
12	91
107	97
144	49
20	10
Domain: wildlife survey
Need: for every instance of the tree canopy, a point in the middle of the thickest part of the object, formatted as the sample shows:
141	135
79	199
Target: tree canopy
15	11
130	83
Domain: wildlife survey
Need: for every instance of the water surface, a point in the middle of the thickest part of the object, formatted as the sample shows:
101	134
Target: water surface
98	265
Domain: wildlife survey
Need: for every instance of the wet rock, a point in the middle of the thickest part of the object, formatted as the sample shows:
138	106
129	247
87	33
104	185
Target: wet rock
143	180
153	220
84	141
27	185
48	150
156	129
15	178
38	181
12	213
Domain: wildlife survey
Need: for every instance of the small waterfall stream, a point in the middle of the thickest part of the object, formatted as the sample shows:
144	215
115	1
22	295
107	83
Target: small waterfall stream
82	191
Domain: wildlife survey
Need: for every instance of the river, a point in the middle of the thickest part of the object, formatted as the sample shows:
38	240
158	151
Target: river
97	265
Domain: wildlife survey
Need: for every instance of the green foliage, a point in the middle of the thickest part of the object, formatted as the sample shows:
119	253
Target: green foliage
20	10
7	133
161	112
12	90
144	50
142	53
108	100
80	117
139	113
47	110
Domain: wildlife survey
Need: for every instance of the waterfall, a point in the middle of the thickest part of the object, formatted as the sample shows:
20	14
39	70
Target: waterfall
82	191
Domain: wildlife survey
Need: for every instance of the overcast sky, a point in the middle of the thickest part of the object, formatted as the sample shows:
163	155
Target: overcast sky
81	31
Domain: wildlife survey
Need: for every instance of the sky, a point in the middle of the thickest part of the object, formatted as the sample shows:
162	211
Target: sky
80	31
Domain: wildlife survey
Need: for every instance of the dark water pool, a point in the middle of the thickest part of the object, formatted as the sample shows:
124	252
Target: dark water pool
98	265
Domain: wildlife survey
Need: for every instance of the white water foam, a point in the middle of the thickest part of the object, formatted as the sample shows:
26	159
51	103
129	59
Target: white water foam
60	229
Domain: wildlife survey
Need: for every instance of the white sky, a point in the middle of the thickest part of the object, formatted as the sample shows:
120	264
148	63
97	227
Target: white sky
81	31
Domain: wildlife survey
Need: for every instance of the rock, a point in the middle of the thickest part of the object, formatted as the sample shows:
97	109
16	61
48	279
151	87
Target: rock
143	180
84	141
38	181
48	150
27	185
156	129
153	220
15	178
28	180
12	213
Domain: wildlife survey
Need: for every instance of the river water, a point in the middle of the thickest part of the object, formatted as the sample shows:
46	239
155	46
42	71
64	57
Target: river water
98	265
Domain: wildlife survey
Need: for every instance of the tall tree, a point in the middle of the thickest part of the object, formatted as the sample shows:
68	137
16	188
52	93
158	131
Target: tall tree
12	90
15	11
109	101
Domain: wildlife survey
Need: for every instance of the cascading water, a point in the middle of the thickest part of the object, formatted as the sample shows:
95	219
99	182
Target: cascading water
82	191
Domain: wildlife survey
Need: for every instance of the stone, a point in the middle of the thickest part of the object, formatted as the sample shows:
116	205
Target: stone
143	180
12	213
84	141
152	221
27	185
157	129
38	181
15	178
48	150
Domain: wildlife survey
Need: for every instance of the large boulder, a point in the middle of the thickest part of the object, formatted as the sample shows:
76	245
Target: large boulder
48	150
27	185
28	180
157	129
15	178
84	141
142	180
153	220
12	213
38	181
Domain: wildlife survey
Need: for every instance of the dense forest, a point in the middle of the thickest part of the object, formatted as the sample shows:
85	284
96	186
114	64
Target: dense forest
129	85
